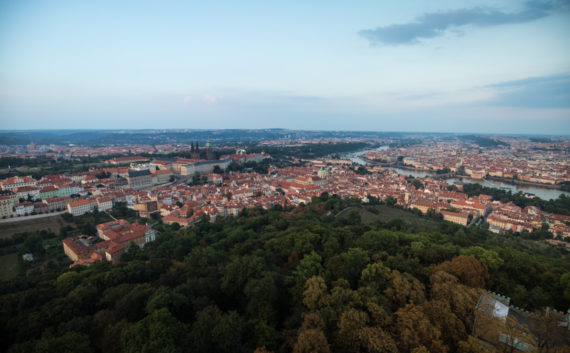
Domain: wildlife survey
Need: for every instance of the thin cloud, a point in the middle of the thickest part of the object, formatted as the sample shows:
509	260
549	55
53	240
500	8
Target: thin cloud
535	92
436	24
209	99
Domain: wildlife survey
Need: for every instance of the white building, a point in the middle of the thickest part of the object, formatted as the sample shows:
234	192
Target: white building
80	207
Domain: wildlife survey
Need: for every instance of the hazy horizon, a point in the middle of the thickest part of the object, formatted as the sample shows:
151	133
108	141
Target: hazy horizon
348	131
481	66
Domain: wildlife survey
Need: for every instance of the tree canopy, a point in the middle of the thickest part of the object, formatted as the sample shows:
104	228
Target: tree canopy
285	280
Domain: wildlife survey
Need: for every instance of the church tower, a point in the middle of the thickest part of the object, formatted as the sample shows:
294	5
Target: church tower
210	155
195	151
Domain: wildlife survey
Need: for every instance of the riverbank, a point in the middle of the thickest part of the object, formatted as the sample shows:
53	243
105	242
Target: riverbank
527	183
543	191
434	174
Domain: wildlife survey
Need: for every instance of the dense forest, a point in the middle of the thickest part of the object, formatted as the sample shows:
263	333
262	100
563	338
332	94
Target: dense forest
304	279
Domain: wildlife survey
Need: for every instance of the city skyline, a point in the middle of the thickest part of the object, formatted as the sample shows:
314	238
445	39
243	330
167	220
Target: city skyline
469	67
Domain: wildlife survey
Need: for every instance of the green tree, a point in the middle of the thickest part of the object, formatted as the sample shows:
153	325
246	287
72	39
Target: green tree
489	258
310	265
376	276
214	331
69	342
158	332
417	184
356	260
315	294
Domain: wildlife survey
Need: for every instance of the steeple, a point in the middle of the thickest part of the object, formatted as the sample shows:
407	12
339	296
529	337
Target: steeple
210	155
195	153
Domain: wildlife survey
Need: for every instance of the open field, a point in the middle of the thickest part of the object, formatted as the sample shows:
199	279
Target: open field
385	213
48	223
9	266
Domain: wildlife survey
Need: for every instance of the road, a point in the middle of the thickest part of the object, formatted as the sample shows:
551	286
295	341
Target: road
346	209
29	218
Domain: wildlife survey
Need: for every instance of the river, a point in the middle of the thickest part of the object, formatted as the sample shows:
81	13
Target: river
543	193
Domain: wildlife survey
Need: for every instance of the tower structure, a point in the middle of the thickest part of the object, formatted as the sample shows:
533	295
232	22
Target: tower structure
195	151
210	155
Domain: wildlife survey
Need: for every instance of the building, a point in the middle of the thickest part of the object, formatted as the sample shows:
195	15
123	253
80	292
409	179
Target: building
17	182
48	192
215	179
210	154
40	207
121	232
57	203
146	207
455	217
511	329
423	206
104	204
139	179
7	201
194	151
127	160
116	237
78	247
68	190
24	209
26	192
469	206
161	176
80	207
204	167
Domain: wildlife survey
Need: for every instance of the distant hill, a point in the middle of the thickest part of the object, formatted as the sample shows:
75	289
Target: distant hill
126	137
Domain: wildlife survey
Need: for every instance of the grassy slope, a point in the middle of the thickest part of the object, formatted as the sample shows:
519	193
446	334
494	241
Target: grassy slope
9	266
48	223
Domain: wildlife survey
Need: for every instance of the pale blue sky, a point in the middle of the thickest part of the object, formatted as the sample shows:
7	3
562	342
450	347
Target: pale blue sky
464	66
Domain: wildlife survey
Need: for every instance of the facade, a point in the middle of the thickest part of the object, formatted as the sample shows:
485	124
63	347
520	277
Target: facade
203	167
127	160
210	154
215	179
48	192
7	200
24	209
80	207
77	247
455	217
68	190
146	208
423	206
104	203
161	176
27	192
17	182
474	207
139	179
57	203
510	329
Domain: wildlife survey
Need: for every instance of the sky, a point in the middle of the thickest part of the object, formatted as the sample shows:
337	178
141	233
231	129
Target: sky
472	66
